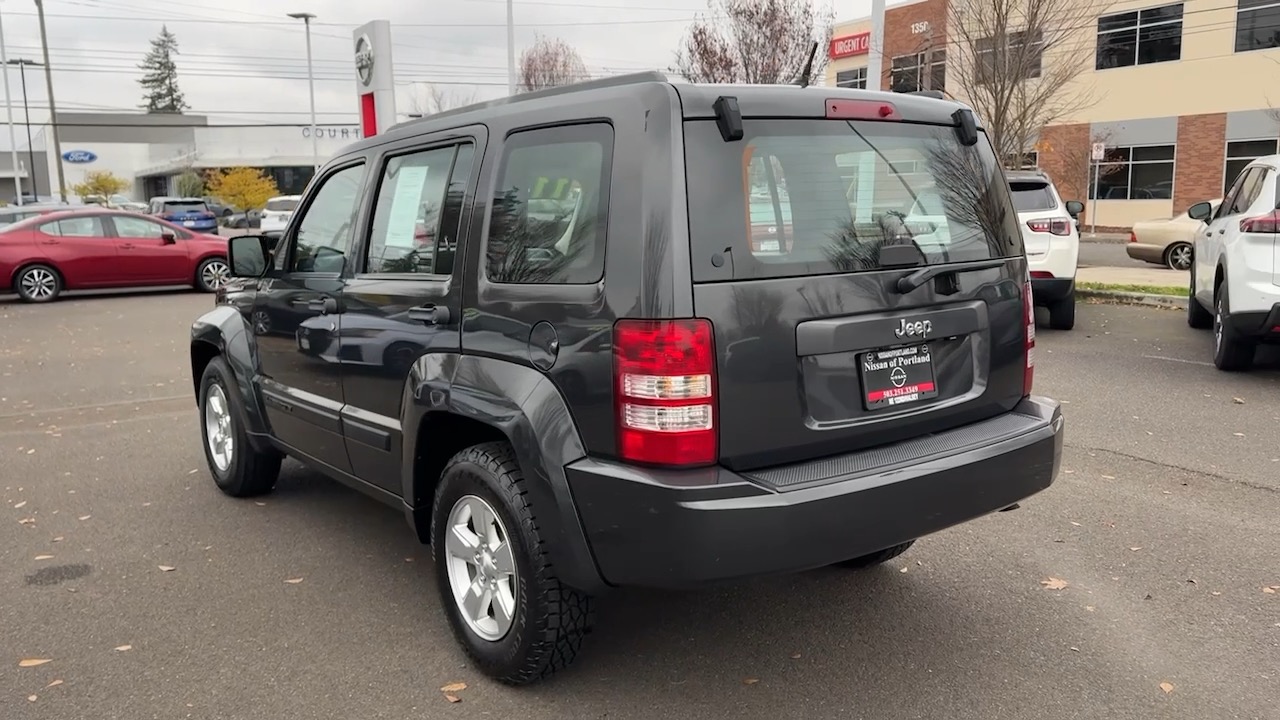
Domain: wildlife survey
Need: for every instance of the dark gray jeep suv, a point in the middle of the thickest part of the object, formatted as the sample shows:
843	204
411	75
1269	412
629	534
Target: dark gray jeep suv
637	333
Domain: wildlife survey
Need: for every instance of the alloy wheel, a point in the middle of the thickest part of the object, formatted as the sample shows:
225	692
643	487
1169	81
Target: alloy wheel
215	274
1180	257
217	428
39	284
481	568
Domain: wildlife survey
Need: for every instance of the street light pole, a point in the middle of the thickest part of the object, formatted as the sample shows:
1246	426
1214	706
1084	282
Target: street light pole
8	111
53	108
311	81
22	64
511	48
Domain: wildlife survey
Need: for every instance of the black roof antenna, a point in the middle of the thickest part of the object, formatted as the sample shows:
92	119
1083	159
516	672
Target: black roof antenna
803	80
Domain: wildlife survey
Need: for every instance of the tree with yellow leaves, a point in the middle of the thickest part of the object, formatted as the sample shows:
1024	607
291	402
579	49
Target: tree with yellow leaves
100	183
243	188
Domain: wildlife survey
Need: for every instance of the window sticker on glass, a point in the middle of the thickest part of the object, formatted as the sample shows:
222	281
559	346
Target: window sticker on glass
406	206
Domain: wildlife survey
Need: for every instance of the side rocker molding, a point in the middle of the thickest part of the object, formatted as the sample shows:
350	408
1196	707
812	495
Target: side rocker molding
528	409
223	331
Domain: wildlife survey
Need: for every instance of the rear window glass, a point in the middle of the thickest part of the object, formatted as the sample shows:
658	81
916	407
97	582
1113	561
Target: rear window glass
282	205
813	197
1032	196
181	207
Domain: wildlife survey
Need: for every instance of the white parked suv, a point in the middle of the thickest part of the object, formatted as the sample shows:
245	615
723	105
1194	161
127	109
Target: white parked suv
1052	241
1235	285
275	216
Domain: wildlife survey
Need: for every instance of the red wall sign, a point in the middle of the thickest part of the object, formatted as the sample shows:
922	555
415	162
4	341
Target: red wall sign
850	45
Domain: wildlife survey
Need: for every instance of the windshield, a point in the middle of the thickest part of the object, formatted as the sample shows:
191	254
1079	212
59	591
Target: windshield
817	197
185	206
1032	196
282	205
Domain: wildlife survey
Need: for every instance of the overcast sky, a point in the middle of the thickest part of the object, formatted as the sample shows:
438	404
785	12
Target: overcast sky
244	61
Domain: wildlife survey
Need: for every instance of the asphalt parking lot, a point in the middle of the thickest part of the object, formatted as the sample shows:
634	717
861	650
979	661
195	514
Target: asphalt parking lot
1162	527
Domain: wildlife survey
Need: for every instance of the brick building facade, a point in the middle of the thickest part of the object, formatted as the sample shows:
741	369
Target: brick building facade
1167	147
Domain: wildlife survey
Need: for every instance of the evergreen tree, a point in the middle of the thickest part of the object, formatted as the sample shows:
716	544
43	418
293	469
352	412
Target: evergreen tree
160	83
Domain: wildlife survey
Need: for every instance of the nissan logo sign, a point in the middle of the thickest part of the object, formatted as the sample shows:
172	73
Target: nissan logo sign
364	59
79	157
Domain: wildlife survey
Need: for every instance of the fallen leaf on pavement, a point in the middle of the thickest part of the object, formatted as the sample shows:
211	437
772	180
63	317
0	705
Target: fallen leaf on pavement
44	557
58	539
1108	477
1268	591
453	698
123	648
904	569
33	698
1136	549
192	472
1193	582
27	521
260	504
19	505
795	656
34	662
1075	649
166	568
409	559
1238	401
454	687
1089	608
1167	687
1238	434
750	681
1053	583
1073	522
55	683
294	581
1215	592
85	517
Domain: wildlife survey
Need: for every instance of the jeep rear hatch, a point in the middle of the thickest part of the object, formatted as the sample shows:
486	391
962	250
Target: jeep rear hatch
865	280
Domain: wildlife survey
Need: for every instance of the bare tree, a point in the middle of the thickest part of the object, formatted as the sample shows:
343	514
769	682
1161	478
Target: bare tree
431	99
755	41
550	62
1015	62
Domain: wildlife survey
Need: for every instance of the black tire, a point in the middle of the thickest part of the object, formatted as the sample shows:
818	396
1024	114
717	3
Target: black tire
1231	351
212	274
1062	313
249	472
876	558
38	283
1197	317
550	619
1175	260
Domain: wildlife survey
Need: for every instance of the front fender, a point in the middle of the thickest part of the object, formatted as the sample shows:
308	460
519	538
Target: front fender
224	331
528	409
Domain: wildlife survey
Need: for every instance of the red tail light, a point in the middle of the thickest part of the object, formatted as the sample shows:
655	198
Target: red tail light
1029	316
1269	223
1041	274
1133	237
1055	226
665	391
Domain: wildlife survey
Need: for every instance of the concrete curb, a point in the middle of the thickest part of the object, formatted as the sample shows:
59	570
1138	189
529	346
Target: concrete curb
1168	302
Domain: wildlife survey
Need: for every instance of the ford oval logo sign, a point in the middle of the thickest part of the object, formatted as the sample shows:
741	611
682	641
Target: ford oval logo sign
79	157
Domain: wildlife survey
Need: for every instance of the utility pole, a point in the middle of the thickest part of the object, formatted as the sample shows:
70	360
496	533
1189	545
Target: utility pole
926	83
875	54
511	47
22	64
53	108
8	110
311	81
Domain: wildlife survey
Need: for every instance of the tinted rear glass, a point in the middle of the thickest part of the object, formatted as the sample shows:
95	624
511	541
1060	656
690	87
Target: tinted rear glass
1030	196
814	197
185	207
282	205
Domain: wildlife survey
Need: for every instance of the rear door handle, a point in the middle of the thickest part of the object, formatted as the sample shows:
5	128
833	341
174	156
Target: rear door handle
430	314
127	246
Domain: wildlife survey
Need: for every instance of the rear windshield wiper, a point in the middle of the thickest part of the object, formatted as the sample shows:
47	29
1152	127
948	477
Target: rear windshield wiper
908	283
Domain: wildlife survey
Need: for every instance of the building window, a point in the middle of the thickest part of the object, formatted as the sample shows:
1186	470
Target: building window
1143	172
1140	37
1257	25
911	72
1019	58
1239	154
856	78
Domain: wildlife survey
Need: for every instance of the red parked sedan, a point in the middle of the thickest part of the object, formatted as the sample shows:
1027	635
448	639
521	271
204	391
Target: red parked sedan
99	248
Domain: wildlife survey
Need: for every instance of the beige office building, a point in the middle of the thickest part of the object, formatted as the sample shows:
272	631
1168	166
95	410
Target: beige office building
1185	94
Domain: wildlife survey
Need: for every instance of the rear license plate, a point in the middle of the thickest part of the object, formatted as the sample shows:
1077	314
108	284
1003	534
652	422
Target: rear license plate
901	376
189	223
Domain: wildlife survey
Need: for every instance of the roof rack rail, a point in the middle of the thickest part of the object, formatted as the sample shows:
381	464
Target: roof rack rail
935	94
596	84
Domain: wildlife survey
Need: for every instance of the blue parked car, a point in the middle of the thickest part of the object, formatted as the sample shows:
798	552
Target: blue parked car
191	213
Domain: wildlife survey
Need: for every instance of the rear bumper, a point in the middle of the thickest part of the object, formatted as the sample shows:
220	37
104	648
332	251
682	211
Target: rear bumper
668	529
1146	253
1258	324
1049	290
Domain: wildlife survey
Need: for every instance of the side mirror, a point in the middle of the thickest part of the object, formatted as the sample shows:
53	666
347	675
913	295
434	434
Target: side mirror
1201	211
1074	208
249	255
168	238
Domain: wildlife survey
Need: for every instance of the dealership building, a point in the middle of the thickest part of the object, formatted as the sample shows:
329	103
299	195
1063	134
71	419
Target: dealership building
1182	100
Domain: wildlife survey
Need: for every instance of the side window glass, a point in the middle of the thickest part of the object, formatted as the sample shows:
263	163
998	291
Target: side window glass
75	227
1245	195
550	208
1232	195
769	205
136	227
415	222
322	242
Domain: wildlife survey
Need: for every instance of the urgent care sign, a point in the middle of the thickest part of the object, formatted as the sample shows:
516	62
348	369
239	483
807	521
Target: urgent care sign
850	45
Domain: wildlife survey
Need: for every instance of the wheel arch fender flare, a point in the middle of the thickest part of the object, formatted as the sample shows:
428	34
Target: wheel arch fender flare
224	332
528	409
